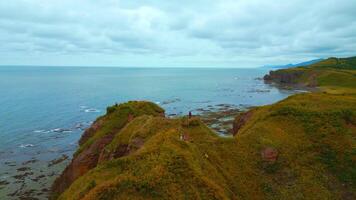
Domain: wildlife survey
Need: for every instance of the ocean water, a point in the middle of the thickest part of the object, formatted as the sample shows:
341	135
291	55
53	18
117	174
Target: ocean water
44	110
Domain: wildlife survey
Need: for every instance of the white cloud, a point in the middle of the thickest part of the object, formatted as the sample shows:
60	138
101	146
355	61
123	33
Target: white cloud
226	33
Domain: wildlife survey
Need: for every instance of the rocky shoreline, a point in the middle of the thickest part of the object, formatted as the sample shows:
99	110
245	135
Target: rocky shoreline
136	152
219	118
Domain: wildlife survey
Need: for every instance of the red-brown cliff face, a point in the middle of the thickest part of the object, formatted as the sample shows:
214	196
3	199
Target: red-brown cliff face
94	140
240	121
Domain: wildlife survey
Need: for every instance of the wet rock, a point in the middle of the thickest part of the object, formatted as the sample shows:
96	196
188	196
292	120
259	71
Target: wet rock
82	125
33	160
171	101
36	179
4	183
22	169
58	160
10	163
259	91
28	195
220	117
51	174
22	176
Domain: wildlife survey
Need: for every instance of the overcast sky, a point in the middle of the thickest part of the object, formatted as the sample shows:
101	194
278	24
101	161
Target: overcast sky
175	33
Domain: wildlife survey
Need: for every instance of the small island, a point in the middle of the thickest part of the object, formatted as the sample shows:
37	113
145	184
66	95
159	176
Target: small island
301	147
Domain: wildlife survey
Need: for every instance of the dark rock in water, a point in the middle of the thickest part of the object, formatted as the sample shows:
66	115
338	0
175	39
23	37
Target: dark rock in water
51	174
171	101
201	110
22	169
38	178
4	183
10	163
82	125
58	160
30	161
22	176
28	195
259	91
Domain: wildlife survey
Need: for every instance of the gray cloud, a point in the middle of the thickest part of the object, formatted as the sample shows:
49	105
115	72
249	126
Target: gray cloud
227	33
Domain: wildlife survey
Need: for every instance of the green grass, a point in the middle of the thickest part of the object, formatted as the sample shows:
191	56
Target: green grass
335	73
314	134
337	63
117	117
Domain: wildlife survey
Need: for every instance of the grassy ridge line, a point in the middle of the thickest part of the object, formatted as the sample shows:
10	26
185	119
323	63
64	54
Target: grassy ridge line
333	75
313	134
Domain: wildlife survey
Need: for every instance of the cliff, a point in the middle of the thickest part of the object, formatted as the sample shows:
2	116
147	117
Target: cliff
301	148
94	140
303	145
332	73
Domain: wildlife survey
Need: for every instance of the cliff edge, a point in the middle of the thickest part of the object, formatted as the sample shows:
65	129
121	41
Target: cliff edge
300	148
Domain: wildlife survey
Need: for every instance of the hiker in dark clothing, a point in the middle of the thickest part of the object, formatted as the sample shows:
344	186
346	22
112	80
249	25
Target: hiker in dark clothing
190	114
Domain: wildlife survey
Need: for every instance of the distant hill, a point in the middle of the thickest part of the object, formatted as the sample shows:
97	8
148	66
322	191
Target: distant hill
294	65
338	63
329	73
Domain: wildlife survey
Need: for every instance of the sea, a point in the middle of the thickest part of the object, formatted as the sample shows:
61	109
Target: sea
44	110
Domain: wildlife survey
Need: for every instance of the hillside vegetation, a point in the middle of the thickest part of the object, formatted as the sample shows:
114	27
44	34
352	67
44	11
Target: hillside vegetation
303	147
333	74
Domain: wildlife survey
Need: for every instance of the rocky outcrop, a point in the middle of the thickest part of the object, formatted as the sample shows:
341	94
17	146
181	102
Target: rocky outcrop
153	157
82	163
240	121
94	140
269	154
284	76
88	133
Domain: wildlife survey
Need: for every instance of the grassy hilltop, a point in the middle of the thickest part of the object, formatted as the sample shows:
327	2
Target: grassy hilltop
303	147
333	74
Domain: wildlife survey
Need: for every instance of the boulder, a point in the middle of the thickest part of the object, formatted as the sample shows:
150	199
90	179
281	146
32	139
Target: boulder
269	154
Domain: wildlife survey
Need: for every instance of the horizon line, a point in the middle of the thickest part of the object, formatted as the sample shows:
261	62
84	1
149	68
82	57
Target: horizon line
110	66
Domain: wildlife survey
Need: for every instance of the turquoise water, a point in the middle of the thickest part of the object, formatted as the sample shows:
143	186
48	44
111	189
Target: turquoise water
44	110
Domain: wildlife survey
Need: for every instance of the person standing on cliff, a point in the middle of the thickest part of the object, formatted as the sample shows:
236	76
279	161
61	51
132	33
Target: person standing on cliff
190	114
